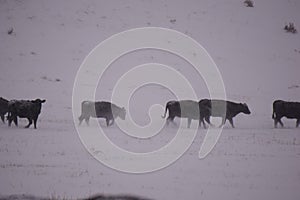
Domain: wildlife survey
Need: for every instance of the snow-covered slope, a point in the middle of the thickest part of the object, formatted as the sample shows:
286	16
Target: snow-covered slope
258	60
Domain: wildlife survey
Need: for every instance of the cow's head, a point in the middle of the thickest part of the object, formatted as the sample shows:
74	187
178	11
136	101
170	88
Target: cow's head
122	113
245	109
39	101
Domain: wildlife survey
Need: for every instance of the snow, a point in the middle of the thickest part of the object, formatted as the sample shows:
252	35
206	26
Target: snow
259	63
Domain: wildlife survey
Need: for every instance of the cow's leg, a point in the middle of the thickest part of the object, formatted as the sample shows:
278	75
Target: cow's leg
207	119
204	125
9	119
275	123
203	122
107	122
167	122
231	122
2	118
170	119
189	122
81	118
30	122
297	123
280	122
200	121
223	121
15	118
112	121
87	120
35	122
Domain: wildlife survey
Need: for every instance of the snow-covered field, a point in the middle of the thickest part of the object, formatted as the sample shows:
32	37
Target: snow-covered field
258	60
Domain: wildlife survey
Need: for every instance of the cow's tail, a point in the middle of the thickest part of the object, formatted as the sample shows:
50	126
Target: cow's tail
274	113
167	106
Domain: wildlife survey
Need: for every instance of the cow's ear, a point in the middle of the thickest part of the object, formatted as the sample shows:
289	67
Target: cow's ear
43	101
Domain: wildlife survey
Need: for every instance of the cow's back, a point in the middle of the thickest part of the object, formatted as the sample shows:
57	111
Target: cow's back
19	108
189	109
88	108
289	109
24	108
104	109
219	107
99	109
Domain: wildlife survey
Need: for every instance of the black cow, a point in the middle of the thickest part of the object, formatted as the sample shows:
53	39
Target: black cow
290	110
101	109
3	108
221	108
184	109
29	109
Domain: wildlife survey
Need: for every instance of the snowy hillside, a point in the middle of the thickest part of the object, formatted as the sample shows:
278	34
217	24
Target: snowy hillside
43	44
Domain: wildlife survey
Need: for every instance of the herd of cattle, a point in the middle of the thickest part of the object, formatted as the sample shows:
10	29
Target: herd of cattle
29	109
192	110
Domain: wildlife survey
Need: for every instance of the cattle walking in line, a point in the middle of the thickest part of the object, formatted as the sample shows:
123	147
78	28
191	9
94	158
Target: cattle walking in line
183	109
3	108
101	109
29	109
290	110
221	108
